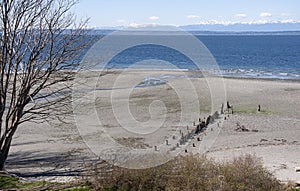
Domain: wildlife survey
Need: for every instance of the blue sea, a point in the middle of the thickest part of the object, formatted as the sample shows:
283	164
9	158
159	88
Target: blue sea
245	56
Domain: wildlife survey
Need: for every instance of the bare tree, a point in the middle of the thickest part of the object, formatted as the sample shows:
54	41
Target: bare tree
39	51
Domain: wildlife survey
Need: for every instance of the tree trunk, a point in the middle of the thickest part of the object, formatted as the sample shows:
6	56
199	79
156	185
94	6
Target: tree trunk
36	50
3	157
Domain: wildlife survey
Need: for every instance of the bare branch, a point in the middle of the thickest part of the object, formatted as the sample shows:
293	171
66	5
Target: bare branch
39	44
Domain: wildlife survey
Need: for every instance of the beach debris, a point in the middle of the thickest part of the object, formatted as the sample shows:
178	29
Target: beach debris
241	128
297	169
167	142
228	105
229	108
190	132
155	148
207	120
185	150
212	118
200	127
258	108
263	140
280	140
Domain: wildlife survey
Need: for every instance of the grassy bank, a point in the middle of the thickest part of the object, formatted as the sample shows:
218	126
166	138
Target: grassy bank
184	173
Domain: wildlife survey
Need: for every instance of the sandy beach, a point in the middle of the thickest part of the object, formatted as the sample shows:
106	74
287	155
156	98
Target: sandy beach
137	115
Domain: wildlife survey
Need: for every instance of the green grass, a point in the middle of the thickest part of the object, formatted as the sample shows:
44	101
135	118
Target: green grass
8	182
253	111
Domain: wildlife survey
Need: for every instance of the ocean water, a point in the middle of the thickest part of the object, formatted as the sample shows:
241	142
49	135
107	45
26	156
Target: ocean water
250	56
256	56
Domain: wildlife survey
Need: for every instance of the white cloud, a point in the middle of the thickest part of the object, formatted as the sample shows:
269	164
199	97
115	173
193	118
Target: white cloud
146	25
265	15
240	15
193	17
153	18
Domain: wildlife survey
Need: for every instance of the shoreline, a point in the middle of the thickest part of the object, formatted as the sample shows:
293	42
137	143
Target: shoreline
263	79
200	74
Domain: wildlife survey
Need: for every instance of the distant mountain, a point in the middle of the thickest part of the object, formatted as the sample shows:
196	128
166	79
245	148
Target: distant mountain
275	28
266	27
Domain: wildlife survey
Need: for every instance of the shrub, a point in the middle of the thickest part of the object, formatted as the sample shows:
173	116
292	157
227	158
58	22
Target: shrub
247	173
193	173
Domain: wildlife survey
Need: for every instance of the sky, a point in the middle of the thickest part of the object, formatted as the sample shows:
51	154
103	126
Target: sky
111	13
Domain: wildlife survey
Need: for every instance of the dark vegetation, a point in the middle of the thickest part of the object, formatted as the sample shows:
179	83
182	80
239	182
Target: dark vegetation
184	173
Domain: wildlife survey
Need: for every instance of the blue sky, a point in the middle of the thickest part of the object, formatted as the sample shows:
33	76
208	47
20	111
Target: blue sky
184	12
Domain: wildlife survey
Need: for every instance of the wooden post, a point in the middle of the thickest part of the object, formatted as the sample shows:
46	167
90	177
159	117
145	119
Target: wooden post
167	142
222	109
155	148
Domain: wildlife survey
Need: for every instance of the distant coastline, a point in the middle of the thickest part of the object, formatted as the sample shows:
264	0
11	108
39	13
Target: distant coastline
207	32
